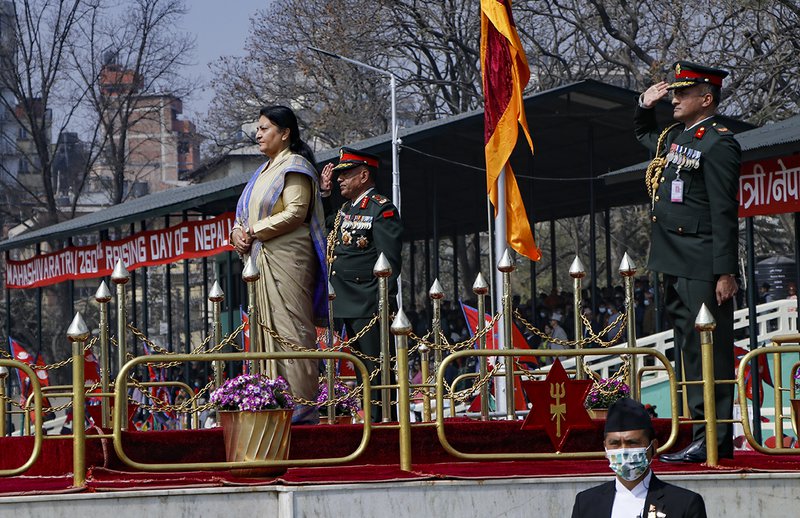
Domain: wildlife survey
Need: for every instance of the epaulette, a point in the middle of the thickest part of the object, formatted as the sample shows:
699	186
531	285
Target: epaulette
379	199
722	130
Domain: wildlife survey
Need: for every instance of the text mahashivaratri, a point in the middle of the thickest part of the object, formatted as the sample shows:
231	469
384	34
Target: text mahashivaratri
149	248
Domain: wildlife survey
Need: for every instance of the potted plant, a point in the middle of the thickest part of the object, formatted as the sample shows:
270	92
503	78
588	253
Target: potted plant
255	413
345	406
604	392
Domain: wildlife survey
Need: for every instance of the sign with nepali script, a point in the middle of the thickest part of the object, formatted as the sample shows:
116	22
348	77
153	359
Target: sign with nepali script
149	248
770	186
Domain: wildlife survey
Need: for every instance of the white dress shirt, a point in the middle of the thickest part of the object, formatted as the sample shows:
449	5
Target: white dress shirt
630	503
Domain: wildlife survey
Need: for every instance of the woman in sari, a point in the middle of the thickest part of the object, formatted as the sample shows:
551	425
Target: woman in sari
279	222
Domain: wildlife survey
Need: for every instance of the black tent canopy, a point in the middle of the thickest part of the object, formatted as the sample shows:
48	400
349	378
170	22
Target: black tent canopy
580	131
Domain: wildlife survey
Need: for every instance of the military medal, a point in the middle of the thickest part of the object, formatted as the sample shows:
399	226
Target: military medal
361	242
347	237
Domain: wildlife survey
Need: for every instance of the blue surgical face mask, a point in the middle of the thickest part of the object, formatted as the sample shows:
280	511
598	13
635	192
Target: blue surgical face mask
628	463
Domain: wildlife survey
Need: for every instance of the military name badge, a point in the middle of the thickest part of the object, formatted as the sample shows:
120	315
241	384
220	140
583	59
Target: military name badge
362	242
676	195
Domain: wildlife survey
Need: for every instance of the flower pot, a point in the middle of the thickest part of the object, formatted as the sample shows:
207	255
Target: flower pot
796	415
261	435
598	413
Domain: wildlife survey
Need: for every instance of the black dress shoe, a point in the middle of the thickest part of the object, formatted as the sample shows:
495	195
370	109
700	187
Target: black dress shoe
695	452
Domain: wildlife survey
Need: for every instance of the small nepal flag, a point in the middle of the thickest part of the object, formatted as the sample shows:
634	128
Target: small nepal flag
22	355
245	338
343	368
763	372
492	338
245	331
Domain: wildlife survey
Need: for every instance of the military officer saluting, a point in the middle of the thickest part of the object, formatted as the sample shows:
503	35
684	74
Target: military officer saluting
693	183
367	225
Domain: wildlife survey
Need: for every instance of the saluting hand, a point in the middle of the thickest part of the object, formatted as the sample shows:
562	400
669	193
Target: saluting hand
326	178
654	94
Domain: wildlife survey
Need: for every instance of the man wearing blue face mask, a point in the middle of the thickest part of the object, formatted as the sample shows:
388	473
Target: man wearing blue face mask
630	444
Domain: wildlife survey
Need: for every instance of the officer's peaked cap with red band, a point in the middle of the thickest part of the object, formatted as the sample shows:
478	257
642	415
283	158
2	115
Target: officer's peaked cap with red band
689	74
350	158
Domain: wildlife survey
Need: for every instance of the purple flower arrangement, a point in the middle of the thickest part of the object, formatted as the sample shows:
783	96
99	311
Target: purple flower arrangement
605	392
253	392
346	406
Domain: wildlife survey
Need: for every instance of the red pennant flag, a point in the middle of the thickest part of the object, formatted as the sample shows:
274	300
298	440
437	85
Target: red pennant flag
245	338
245	331
492	338
763	371
505	72
22	355
345	368
91	367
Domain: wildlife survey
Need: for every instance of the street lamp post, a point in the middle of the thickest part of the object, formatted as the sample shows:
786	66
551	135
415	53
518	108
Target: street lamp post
395	140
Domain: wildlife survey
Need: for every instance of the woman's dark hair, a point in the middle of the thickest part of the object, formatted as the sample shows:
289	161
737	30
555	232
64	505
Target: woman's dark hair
284	118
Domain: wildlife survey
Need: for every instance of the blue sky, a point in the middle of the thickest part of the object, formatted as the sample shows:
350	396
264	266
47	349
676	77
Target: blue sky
221	28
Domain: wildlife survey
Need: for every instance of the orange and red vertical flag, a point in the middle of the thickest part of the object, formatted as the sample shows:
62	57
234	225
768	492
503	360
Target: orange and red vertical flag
505	73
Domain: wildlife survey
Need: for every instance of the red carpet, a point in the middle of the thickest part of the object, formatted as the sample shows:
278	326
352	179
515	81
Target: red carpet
379	463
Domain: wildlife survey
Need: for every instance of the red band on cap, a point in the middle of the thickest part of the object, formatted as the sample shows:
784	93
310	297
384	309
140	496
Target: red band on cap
688	74
350	157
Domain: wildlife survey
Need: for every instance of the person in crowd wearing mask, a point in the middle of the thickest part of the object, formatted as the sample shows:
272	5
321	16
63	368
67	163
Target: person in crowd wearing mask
613	314
557	333
649	319
601	316
630	445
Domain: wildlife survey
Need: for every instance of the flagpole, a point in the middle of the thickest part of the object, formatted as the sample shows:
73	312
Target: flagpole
500	245
395	139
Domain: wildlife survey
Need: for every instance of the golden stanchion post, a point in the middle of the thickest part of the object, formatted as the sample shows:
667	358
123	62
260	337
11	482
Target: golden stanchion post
401	328
628	269
120	278
577	271
778	392
436	293
250	275
3	377
103	296
705	324
330	363
216	296
506	266
383	270
77	333
481	289
424	356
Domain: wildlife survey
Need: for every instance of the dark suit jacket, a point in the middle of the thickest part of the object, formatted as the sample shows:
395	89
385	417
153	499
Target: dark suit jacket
673	501
696	239
367	229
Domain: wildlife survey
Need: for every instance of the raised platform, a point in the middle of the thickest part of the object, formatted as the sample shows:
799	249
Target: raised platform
750	484
726	495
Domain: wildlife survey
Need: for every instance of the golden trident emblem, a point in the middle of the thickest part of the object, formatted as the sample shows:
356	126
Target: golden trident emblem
557	410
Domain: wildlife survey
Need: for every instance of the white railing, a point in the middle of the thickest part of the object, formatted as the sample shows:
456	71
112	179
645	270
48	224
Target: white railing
772	318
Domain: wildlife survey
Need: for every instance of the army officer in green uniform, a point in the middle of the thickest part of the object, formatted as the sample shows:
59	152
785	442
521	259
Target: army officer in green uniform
366	225
693	183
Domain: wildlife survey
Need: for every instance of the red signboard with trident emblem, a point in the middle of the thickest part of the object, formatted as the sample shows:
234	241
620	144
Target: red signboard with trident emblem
557	404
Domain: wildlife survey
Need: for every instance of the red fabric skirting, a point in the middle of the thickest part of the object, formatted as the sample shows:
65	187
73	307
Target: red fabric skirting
379	463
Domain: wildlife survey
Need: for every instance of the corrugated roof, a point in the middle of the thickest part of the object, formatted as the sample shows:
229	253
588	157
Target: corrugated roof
578	130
